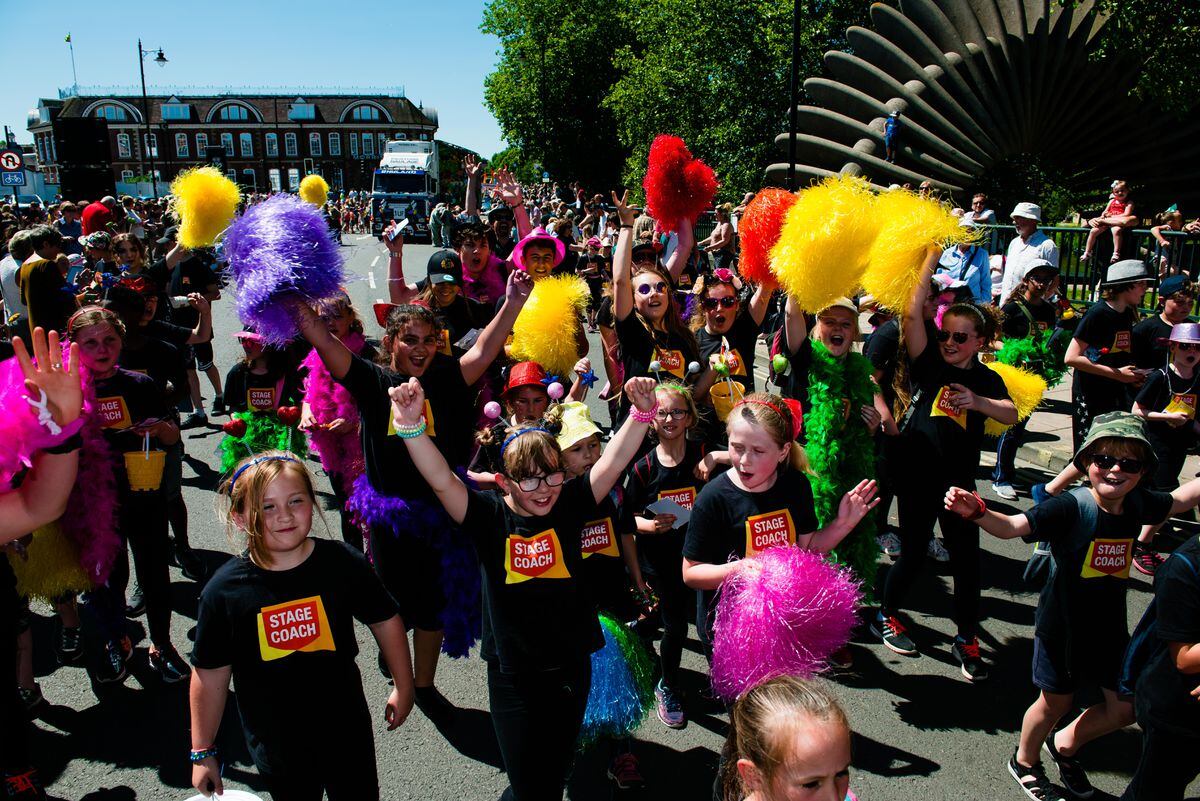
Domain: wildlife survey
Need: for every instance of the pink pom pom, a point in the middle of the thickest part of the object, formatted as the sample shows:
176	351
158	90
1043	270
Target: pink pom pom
783	619
759	231
491	410
555	390
678	185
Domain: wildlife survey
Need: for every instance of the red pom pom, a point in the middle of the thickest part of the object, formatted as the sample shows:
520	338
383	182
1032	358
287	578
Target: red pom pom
235	427
678	185
759	231
290	415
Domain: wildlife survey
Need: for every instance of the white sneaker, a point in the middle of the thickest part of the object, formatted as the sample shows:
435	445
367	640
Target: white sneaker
1005	491
889	543
937	551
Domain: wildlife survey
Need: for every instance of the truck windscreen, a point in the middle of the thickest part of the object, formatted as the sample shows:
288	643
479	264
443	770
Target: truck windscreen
389	183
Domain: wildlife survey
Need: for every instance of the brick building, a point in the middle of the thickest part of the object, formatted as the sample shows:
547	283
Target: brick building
271	140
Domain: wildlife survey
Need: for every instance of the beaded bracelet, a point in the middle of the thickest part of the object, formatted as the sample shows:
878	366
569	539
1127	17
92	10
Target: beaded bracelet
410	432
644	417
201	754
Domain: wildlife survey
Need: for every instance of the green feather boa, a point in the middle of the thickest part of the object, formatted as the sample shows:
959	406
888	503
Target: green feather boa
840	449
1039	353
264	432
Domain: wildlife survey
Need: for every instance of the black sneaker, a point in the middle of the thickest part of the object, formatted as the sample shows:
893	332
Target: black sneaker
68	645
1073	776
112	667
194	420
190	563
1033	781
625	773
891	631
967	654
137	603
218	404
1146	560
169	665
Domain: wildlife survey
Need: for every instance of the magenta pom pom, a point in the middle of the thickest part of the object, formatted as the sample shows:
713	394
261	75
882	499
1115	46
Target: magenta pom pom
341	454
555	390
492	410
785	618
280	247
678	185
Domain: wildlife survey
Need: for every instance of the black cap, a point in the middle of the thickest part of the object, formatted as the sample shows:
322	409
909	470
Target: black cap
169	235
444	267
500	212
643	247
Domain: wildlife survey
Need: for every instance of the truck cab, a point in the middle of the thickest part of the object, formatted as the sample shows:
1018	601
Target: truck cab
404	187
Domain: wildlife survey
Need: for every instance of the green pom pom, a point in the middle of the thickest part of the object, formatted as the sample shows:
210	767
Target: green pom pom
264	432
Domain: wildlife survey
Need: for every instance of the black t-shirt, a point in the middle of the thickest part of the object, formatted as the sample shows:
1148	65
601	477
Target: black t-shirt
160	360
729	522
604	314
742	338
289	637
882	349
1150	343
947	443
176	335
449	410
1021	316
122	401
649	481
1085	597
458	318
1166	391
193	274
1164	694
1109	335
602	572
638	348
259	392
537	614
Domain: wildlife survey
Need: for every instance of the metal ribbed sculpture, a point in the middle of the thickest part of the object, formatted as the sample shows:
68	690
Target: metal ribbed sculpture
979	82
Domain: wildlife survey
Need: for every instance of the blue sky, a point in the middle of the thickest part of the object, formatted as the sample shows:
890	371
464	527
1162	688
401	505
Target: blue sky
433	48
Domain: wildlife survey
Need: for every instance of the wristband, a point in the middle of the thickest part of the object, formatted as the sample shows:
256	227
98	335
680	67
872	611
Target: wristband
71	443
981	511
644	417
623	226
198	755
410	432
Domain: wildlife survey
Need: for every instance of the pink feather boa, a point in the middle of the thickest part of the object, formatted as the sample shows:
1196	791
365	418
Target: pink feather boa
329	400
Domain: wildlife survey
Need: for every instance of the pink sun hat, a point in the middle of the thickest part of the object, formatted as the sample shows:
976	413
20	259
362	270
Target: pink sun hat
539	233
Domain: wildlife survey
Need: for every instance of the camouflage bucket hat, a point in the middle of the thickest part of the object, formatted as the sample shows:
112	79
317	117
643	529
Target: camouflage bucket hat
1117	425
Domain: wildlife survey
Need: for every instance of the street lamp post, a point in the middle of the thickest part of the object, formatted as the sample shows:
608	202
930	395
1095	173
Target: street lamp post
793	81
161	61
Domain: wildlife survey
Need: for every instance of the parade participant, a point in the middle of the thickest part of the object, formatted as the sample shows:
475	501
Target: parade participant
1176	297
525	399
443	293
1101	350
279	620
943	428
1080	627
411	542
329	414
529	540
138	425
261	381
788	740
764	501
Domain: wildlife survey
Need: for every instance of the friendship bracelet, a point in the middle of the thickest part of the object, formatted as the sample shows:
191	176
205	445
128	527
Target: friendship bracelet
198	755
408	426
622	227
981	511
411	433
644	417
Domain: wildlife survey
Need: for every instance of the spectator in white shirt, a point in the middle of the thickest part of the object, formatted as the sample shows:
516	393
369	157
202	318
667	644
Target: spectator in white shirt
968	263
979	213
1028	244
133	218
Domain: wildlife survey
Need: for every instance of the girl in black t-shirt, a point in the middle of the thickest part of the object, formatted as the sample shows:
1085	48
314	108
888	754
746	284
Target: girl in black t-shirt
942	432
260	382
279	620
529	538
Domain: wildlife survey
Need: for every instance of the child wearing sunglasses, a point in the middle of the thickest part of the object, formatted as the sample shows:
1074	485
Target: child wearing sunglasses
1080	629
942	431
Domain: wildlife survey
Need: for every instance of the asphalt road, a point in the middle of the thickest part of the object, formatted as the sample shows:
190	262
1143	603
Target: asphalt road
921	730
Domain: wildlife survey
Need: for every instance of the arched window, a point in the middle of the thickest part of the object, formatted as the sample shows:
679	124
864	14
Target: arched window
273	145
201	144
111	112
314	144
181	145
289	144
365	113
246	145
335	144
234	112
227	143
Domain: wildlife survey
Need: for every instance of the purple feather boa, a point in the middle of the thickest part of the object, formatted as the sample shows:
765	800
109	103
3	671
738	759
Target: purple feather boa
278	247
341	454
462	616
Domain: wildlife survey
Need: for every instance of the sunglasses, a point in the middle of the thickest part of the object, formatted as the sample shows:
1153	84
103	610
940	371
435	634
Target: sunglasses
724	303
1187	346
959	337
1127	464
673	414
533	482
646	289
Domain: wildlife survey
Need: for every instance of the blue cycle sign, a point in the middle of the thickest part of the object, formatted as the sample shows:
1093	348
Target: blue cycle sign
12	168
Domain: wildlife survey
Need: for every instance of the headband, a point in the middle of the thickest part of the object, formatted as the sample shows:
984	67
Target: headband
515	434
794	411
760	402
254	462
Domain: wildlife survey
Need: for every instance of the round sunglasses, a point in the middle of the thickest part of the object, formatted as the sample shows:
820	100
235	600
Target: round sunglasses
646	289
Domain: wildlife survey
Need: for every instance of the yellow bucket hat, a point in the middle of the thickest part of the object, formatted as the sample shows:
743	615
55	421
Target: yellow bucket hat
577	424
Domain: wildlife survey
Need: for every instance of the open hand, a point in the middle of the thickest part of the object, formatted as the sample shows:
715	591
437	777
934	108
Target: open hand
625	213
59	380
857	502
961	502
472	166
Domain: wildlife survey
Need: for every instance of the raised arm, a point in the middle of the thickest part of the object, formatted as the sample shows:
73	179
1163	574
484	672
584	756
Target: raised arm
474	170
508	189
915	339
491	340
760	303
795	329
854	506
678	260
624	446
203	330
336	356
408	408
622	285
399	290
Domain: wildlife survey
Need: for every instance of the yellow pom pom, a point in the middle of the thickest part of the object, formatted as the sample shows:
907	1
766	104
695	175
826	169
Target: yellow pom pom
908	226
206	201
823	245
314	190
52	568
545	330
1024	387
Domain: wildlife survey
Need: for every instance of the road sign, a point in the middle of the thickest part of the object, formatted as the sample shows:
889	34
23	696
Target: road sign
12	178
10	161
545	177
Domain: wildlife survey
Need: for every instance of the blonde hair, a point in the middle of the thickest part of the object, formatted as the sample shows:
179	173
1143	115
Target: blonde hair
772	414
245	489
762	721
684	394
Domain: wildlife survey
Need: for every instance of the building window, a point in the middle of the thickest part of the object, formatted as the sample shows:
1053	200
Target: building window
181	145
123	150
289	144
246	145
354	145
335	144
424	137
400	135
227	143
234	113
127	176
112	113
151	142
302	111
272	144
248	179
231	174
365	113
382	143
176	111
314	144
293	179
273	177
368	145
202	145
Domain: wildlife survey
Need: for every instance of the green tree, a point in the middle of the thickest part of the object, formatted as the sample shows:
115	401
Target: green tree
527	171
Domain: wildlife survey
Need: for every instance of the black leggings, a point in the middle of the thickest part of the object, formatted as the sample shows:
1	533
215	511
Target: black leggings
14	723
142	521
919	508
1167	766
345	769
537	716
676	603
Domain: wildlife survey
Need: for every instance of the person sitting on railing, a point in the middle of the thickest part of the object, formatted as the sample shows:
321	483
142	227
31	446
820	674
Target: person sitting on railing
1028	245
1171	221
1117	217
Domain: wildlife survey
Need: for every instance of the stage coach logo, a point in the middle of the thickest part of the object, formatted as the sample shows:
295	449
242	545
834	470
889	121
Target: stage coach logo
1108	558
598	537
769	530
294	626
536	557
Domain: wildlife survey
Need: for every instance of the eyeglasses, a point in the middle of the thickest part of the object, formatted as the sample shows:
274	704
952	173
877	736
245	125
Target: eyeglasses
673	414
646	289
724	303
1187	346
1127	464
960	337
533	482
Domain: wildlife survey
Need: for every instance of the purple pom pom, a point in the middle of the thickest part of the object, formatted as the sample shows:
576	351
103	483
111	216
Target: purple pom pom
786	618
278	247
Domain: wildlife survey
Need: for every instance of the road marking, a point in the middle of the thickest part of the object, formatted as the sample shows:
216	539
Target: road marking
375	261
371	278
365	238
